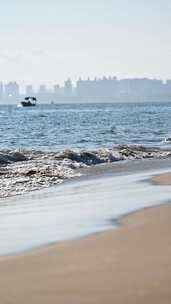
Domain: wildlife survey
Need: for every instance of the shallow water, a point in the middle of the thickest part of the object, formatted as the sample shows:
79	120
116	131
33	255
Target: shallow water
74	210
77	126
86	206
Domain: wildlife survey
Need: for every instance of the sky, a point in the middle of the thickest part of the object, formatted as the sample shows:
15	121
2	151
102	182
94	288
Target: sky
47	41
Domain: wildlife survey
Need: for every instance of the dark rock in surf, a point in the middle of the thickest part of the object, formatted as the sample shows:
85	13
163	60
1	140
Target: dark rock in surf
17	156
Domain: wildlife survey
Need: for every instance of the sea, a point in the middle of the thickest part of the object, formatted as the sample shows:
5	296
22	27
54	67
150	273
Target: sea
57	127
80	207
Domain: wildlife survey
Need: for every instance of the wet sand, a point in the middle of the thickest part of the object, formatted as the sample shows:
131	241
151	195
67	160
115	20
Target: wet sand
128	265
162	179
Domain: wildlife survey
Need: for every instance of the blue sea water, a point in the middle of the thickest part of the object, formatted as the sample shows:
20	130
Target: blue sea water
84	126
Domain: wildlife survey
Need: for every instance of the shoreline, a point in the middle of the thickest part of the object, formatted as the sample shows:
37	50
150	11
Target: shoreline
80	207
120	266
162	179
117	223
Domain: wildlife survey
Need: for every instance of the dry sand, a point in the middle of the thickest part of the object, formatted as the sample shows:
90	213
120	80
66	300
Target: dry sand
128	265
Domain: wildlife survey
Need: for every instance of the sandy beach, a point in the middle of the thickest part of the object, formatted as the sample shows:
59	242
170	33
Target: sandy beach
129	265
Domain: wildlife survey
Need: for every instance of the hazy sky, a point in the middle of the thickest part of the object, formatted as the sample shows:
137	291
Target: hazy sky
49	40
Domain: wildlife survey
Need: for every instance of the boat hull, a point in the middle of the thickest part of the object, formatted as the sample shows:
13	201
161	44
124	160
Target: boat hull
27	104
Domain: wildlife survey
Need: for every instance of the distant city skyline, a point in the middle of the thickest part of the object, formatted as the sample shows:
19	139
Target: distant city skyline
103	89
49	40
50	84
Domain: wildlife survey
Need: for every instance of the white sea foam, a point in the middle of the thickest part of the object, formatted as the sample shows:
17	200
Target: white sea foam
26	171
74	210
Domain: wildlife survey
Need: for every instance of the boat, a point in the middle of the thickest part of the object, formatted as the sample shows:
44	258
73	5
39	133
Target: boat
28	102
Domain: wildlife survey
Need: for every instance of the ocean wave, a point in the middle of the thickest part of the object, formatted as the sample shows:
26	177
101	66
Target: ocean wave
24	171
